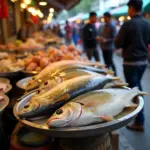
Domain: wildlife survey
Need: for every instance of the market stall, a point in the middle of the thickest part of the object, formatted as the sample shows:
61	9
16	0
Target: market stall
52	97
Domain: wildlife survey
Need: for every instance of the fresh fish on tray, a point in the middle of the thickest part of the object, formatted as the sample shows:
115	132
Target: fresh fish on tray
48	102
94	107
56	68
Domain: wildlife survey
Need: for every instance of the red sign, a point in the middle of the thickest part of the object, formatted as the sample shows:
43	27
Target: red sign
3	9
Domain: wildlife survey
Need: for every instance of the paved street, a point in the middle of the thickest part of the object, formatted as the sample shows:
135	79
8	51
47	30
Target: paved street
130	140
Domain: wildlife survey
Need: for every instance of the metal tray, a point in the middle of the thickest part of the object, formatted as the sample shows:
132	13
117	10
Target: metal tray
29	73
10	74
6	81
39	125
4	104
20	84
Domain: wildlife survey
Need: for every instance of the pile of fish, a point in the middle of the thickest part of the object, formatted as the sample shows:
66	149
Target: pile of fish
74	93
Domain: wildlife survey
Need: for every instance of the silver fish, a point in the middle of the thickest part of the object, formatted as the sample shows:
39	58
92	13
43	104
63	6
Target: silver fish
94	107
48	102
53	70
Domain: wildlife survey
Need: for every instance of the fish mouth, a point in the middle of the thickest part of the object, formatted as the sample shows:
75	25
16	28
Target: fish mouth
32	86
69	122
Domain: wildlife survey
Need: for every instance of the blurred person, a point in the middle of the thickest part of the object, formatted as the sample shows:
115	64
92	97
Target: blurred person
68	35
90	38
26	31
134	37
107	36
75	33
59	32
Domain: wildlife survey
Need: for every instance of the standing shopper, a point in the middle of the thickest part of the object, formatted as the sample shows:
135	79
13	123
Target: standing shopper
107	36
68	35
26	31
90	38
134	38
75	33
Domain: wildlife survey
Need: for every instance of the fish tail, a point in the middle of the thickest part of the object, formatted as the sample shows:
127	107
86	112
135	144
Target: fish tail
136	89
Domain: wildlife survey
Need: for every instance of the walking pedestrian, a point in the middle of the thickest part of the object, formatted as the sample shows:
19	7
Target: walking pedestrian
134	37
107	36
68	35
90	38
75	33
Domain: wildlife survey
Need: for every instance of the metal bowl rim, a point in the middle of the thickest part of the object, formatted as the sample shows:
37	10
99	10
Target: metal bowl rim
83	128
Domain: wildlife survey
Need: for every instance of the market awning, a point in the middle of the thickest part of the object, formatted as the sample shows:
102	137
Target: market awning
119	11
123	10
59	5
99	14
147	8
63	4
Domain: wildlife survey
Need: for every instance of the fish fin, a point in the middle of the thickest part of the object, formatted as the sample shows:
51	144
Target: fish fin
90	104
106	118
140	92
63	98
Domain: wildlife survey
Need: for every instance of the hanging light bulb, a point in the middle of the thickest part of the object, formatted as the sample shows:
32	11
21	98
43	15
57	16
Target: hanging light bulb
13	1
27	2
51	10
43	3
40	14
23	5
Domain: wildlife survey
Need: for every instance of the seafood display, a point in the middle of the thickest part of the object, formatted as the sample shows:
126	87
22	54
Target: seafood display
4	100
48	102
94	107
9	65
41	59
5	85
56	70
19	46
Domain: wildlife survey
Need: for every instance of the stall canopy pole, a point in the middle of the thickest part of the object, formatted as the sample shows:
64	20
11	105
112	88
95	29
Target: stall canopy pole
3	9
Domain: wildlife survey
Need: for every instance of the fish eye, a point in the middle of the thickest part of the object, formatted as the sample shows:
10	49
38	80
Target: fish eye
59	111
45	83
27	106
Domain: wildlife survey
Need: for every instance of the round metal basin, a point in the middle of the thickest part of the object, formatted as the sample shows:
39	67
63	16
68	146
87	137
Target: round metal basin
3	104
22	83
29	73
40	124
9	86
10	74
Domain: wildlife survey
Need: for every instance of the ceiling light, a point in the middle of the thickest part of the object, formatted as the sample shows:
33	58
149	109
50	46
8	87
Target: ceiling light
27	2
122	18
51	10
13	1
40	14
43	3
128	17
23	6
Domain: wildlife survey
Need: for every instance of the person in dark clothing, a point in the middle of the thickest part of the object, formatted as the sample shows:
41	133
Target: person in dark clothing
90	38
134	37
106	39
26	31
68	35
